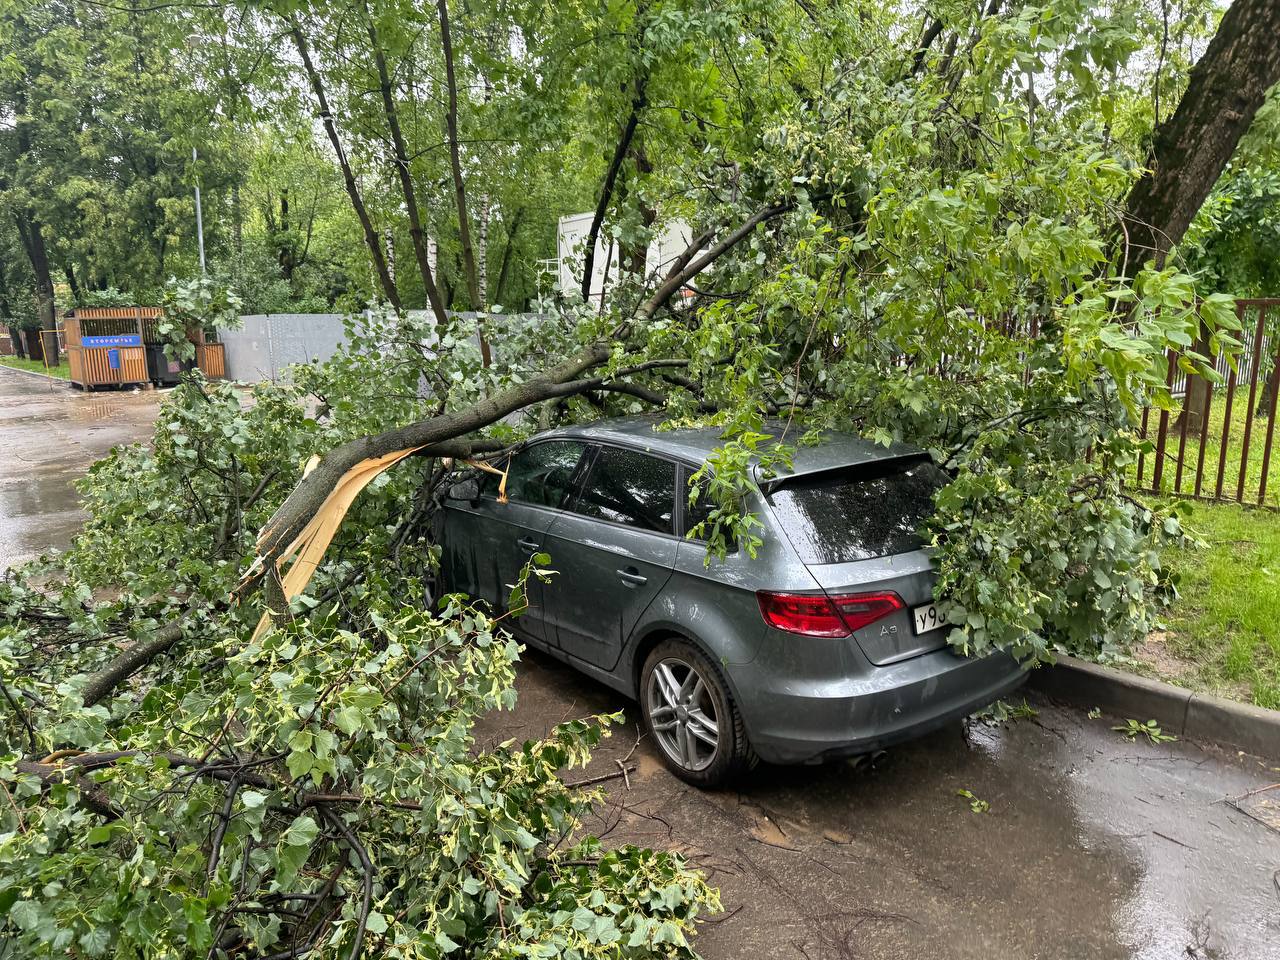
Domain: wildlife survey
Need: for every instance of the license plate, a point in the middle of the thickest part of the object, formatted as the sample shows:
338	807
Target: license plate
926	618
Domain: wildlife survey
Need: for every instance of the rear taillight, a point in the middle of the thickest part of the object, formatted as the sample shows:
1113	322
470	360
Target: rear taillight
861	609
816	615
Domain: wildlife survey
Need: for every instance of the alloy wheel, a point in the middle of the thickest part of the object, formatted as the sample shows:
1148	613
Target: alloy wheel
682	713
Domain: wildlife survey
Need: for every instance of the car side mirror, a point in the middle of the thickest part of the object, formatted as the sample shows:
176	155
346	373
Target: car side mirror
466	490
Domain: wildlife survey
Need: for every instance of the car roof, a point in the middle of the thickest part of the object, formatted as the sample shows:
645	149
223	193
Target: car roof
695	444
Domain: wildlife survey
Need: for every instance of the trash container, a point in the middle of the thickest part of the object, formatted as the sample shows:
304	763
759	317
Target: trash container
163	371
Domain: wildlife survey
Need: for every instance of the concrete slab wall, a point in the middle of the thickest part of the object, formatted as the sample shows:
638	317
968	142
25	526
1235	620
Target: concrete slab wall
268	343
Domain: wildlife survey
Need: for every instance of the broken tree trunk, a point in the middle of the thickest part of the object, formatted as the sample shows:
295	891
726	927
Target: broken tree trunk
442	435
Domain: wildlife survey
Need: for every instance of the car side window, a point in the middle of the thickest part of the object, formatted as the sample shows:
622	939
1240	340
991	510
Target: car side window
631	488
540	474
700	511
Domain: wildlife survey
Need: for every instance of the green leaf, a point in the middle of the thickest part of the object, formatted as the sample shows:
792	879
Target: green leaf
26	914
96	940
302	832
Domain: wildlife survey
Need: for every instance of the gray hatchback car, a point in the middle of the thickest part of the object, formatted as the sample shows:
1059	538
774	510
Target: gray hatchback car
826	644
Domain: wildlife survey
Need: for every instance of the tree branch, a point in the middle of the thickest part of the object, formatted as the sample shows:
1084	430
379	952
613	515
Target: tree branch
401	159
684	270
366	866
102	683
440	435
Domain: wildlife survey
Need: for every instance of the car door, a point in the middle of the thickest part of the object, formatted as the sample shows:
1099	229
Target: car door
614	548
504	534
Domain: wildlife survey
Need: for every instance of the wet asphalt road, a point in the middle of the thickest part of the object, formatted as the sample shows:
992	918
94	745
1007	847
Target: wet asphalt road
49	434
1093	847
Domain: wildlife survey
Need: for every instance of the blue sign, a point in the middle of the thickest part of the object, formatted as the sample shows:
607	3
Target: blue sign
113	359
120	340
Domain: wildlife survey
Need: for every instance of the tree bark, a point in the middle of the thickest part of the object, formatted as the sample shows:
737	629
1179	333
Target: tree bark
401	156
1196	393
504	267
1267	398
929	34
19	345
35	350
382	274
237	220
459	184
72	282
633	258
1190	149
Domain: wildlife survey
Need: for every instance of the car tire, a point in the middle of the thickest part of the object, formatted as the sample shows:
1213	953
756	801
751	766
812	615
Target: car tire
689	713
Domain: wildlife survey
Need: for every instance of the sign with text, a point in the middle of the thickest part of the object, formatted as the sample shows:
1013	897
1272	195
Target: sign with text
119	340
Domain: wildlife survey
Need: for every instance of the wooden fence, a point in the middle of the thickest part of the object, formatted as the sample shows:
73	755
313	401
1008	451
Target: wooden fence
1220	446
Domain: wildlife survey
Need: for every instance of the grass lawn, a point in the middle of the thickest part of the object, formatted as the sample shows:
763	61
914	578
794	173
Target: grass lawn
1223	634
61	371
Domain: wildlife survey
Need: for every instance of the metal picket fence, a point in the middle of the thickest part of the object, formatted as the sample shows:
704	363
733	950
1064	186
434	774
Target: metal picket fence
1220	446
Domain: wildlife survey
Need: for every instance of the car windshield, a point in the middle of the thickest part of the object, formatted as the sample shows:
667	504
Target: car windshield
868	511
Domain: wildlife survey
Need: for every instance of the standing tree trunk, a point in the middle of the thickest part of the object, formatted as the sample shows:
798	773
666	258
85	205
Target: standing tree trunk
459	185
15	335
19	345
482	249
1196	393
633	259
1191	148
401	155
1267	398
504	267
237	220
638	102
74	284
35	350
32	233
371	240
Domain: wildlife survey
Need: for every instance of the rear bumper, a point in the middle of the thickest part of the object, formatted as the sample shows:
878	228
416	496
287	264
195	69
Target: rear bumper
799	721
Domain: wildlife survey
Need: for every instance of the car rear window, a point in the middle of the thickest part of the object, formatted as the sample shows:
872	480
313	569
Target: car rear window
868	511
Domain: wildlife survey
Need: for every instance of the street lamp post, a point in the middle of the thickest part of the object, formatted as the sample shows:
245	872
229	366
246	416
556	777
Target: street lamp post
199	216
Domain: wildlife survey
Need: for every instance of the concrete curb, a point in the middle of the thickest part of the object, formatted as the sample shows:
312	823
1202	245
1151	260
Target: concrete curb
33	373
1188	715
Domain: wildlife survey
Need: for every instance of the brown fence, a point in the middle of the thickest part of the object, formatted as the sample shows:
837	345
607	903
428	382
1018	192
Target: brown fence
1219	447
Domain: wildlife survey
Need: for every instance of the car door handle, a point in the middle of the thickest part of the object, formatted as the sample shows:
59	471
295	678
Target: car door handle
529	545
631	577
